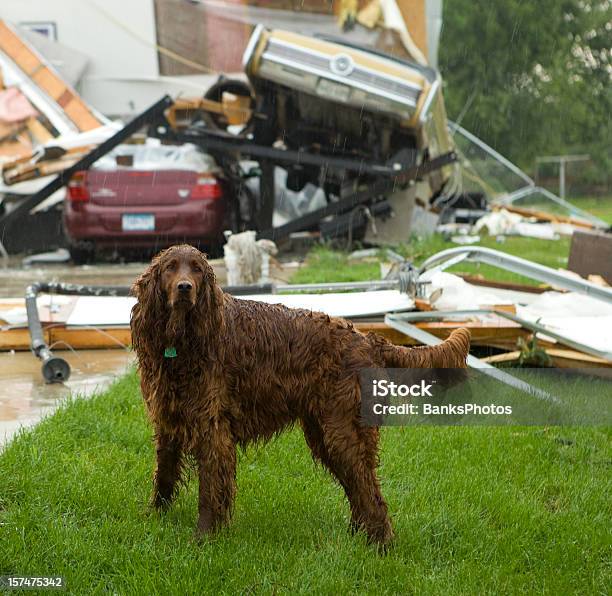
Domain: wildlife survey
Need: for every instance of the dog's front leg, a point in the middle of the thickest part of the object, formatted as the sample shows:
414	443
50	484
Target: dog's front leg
168	470
217	471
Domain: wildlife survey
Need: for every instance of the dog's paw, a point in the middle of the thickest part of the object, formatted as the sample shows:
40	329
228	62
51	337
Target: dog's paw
201	537
382	539
159	503
355	527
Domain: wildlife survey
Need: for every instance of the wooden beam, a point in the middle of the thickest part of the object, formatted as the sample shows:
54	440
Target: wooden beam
544	216
504	337
79	338
415	17
47	79
114	337
560	358
479	280
16	339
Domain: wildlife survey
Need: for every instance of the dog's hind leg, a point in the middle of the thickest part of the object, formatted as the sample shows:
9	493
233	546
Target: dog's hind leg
168	470
216	455
353	452
314	439
368	508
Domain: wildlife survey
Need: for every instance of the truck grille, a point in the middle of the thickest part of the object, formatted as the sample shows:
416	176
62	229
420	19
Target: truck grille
360	77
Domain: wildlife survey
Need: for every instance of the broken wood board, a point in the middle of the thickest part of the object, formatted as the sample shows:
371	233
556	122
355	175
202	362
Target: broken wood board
545	216
59	336
235	108
47	80
480	280
560	358
20	171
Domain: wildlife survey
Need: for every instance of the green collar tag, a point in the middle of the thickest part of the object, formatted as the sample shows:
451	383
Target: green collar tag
170	352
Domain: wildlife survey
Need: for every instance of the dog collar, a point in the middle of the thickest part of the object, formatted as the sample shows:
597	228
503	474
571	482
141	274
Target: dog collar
170	352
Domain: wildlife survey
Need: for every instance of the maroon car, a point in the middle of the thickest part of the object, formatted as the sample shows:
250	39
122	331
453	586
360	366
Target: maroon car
142	197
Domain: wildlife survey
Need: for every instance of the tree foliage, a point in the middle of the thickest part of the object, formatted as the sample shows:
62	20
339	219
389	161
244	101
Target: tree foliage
532	78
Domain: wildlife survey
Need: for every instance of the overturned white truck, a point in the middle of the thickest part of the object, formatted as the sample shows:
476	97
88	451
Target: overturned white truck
328	97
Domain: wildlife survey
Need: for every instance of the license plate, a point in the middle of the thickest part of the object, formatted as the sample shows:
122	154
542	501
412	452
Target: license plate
138	222
333	90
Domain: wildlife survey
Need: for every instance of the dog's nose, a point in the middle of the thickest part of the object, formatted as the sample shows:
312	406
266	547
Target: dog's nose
184	286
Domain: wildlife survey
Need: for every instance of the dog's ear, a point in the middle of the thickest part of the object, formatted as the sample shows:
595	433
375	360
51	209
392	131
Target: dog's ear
148	284
149	310
209	306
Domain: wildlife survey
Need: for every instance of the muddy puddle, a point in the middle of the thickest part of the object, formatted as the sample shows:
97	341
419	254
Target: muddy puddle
14	279
25	398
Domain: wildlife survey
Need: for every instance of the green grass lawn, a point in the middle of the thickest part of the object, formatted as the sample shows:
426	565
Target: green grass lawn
325	264
599	206
476	510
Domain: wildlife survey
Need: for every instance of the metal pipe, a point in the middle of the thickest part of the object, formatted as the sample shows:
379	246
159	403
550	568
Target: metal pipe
382	284
536	327
54	368
399	322
517	265
249	289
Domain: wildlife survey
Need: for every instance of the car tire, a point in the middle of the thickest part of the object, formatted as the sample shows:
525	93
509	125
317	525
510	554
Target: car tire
81	254
215	251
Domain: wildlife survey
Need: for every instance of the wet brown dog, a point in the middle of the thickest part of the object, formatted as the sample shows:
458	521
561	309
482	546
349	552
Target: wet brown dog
217	372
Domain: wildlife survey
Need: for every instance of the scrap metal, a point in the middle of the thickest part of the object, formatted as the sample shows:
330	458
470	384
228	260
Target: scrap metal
54	368
479	254
536	327
401	324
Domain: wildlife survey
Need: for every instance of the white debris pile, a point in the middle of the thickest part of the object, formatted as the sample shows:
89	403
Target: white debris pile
580	318
503	222
451	292
247	260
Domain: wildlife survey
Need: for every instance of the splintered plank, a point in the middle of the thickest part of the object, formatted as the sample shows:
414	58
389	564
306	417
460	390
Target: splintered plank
16	339
573	359
47	79
544	216
79	338
500	336
559	357
504	335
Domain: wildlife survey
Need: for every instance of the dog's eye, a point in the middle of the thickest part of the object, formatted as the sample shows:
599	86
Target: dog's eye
196	268
171	266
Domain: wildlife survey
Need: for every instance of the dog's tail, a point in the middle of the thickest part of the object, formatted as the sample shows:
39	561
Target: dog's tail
451	353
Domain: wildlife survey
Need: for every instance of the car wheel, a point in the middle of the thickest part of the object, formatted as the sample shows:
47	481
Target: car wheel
81	254
215	251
